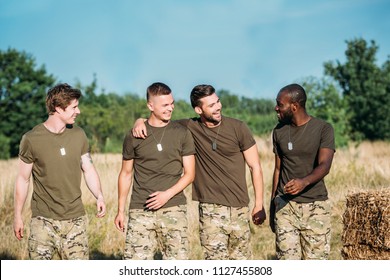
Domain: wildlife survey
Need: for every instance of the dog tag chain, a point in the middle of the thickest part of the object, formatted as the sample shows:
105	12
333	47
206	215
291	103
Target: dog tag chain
159	146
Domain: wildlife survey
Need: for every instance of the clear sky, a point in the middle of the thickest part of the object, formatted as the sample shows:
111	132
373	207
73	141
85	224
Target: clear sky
251	48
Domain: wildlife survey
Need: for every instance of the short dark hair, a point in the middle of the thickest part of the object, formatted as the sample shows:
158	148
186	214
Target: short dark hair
157	89
61	95
200	91
296	92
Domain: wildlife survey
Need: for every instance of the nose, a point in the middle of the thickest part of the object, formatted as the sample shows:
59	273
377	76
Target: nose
78	111
276	108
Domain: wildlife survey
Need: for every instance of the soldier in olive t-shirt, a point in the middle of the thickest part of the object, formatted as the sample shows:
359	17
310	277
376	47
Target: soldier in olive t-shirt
157	169
304	147
55	153
52	171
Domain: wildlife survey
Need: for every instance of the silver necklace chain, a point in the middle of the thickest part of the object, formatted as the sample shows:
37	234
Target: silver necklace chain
55	136
159	146
213	142
290	144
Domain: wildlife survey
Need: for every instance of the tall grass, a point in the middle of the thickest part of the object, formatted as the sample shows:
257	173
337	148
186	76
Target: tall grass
358	167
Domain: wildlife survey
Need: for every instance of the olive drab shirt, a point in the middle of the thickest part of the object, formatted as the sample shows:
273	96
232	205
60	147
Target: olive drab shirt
220	176
157	168
56	170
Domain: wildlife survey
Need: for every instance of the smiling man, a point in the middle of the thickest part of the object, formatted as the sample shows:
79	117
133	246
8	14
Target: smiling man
304	147
56	152
157	169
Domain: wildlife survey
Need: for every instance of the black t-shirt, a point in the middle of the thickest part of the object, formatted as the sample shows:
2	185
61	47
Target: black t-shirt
302	157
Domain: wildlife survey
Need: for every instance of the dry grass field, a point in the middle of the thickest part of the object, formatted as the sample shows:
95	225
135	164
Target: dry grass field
358	167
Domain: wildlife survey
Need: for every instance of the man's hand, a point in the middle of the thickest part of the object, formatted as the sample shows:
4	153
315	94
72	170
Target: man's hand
139	129
294	186
158	199
101	207
18	228
259	217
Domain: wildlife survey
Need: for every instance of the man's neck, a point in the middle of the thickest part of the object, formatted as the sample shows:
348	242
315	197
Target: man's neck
54	125
300	120
209	124
157	122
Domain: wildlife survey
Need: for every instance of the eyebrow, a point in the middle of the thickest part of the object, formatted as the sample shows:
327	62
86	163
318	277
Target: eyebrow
212	104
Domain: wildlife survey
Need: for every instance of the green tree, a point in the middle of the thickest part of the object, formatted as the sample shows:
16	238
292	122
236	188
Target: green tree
106	118
23	88
324	101
365	88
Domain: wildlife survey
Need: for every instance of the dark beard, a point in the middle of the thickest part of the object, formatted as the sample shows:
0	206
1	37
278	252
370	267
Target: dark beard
287	118
285	121
211	119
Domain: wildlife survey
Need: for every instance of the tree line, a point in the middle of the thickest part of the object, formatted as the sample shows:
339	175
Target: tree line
353	96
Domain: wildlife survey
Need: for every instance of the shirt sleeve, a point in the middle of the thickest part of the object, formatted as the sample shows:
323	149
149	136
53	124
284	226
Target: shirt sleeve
246	139
25	150
327	137
188	144
127	149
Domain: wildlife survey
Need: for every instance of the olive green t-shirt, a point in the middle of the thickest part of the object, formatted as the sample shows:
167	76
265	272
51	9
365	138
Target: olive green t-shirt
220	173
300	161
56	170
156	170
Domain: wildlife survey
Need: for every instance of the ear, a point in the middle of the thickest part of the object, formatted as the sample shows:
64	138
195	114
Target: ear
198	110
294	106
150	106
59	110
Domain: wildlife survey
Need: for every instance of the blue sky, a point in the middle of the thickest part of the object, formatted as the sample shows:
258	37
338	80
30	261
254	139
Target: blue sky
251	48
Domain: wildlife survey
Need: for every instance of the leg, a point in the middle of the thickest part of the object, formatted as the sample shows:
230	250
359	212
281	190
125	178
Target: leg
288	246
316	234
213	236
173	226
75	239
141	240
43	239
239	241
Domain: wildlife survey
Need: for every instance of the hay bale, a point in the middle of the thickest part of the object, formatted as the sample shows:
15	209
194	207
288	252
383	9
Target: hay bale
366	233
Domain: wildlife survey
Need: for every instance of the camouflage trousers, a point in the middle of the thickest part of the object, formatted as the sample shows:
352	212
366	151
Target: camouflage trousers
302	230
224	232
163	231
68	238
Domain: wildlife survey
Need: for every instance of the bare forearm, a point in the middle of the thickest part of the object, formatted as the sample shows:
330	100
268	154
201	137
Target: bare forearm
316	175
20	195
93	182
258	185
184	181
124	185
188	175
325	158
